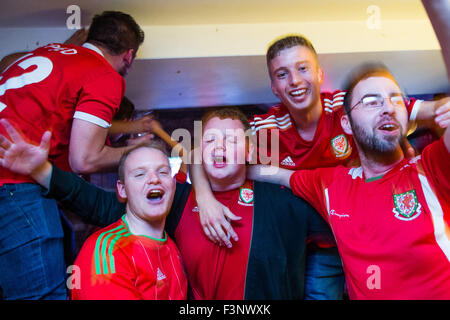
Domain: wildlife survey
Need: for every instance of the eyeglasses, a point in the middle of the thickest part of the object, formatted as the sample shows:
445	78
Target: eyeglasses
377	101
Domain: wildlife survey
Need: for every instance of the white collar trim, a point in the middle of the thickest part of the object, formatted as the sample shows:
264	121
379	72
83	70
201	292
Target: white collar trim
92	47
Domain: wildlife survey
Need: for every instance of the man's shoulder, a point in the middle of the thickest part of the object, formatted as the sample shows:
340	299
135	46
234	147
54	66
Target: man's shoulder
276	110
332	102
80	61
262	189
277	117
104	235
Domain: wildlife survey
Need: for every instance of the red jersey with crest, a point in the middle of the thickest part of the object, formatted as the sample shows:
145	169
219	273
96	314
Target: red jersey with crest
215	272
329	147
392	232
117	265
47	88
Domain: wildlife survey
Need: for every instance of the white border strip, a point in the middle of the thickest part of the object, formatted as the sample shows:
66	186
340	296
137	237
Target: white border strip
437	216
415	110
90	118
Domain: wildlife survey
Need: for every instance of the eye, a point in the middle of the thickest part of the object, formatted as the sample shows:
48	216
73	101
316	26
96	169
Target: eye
303	68
371	101
281	74
397	100
209	138
138	174
232	139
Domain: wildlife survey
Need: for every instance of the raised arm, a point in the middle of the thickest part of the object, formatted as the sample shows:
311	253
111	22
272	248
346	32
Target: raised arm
439	13
88	201
434	113
270	174
214	217
143	124
87	150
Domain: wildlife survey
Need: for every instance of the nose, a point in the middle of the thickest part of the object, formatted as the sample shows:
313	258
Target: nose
219	145
388	107
295	79
153	178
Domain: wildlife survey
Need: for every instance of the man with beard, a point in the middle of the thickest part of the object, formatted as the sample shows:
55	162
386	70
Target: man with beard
389	215
74	92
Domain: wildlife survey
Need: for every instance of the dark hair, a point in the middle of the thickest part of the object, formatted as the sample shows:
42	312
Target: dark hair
126	110
116	31
153	144
362	72
227	113
287	42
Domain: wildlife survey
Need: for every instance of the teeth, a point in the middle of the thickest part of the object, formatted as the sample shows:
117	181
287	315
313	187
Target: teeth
298	92
388	127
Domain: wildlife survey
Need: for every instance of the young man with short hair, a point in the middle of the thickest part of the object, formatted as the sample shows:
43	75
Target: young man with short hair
134	258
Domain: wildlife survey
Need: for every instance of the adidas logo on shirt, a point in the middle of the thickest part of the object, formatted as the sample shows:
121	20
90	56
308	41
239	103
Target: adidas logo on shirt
288	162
159	275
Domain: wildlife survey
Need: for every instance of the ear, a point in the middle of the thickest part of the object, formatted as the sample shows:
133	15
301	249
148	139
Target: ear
129	56
346	125
320	75
120	188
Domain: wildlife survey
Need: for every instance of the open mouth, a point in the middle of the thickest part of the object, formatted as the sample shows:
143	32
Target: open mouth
155	195
389	127
299	93
219	161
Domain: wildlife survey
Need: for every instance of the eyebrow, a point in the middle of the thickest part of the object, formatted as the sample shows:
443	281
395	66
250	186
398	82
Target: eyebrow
144	168
297	63
377	94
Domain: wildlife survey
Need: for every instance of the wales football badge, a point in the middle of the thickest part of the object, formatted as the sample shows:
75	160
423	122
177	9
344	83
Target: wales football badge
246	197
340	146
406	206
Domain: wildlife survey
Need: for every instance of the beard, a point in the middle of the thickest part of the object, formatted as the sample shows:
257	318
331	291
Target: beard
373	143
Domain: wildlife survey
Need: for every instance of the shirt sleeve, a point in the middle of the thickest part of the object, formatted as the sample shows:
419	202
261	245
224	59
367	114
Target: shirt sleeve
91	203
436	164
310	185
100	99
413	107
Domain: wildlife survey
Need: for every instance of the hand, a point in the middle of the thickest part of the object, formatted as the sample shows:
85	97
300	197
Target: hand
442	113
78	38
19	156
214	218
140	139
407	148
144	124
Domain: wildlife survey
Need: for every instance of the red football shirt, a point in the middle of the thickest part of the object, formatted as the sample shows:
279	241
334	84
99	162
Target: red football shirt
329	147
115	264
392	232
47	88
215	272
